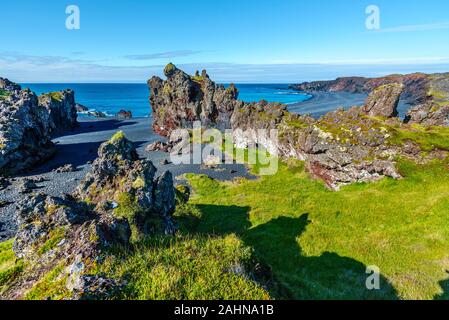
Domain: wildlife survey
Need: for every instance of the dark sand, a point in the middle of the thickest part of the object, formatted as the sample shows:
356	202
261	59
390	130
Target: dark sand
323	102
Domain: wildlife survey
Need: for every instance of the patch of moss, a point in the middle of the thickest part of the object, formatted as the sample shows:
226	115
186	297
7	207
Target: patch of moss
54	237
197	78
169	68
138	183
10	268
119	135
52	286
129	209
428	138
54	96
4	94
167	89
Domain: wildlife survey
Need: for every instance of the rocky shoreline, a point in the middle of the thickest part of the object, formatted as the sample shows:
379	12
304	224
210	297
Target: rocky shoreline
72	189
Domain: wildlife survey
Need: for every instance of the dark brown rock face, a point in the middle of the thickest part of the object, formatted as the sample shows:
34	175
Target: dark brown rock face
429	114
383	101
27	124
183	99
124	114
61	109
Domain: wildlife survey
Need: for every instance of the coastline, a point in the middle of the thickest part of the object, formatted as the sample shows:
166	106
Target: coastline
79	147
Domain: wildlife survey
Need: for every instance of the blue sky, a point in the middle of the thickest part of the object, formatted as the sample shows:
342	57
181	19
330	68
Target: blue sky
236	40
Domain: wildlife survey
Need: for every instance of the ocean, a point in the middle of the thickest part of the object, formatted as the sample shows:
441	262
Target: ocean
111	98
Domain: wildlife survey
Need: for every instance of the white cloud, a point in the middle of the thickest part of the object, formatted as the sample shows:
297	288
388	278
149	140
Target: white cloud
417	27
55	69
162	55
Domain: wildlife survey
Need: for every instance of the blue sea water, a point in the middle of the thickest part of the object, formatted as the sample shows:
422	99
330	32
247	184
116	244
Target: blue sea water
111	98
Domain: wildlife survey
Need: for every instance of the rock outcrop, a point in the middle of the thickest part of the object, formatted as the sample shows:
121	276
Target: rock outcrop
61	110
124	114
429	114
435	110
27	124
340	148
182	99
383	101
121	182
119	201
428	94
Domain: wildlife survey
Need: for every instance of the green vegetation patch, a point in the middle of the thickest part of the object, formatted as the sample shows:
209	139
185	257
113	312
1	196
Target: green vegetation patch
428	138
54	238
4	94
7	257
119	135
52	286
185	267
319	243
10	268
55	96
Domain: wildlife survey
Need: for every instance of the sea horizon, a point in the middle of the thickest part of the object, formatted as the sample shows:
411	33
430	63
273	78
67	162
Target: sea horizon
110	98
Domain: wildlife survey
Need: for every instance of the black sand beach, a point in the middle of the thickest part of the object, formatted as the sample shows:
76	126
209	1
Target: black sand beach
323	102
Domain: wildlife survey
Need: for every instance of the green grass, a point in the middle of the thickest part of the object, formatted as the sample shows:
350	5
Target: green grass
184	267
428	138
54	238
9	267
318	242
52	286
57	96
4	93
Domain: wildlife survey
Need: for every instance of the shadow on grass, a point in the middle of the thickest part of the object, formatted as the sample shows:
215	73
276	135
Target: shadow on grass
445	287
275	243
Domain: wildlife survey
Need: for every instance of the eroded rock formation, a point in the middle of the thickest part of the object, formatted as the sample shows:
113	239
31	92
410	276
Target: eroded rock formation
27	123
119	201
183	99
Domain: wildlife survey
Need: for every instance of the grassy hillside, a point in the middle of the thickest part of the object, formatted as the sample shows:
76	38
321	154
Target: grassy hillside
318	243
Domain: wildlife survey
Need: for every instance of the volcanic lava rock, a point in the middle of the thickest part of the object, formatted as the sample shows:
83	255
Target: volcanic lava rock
27	124
123	114
120	200
383	101
117	175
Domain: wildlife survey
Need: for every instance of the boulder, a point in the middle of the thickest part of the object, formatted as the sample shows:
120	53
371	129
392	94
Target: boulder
117	175
27	124
123	114
80	108
429	114
383	101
